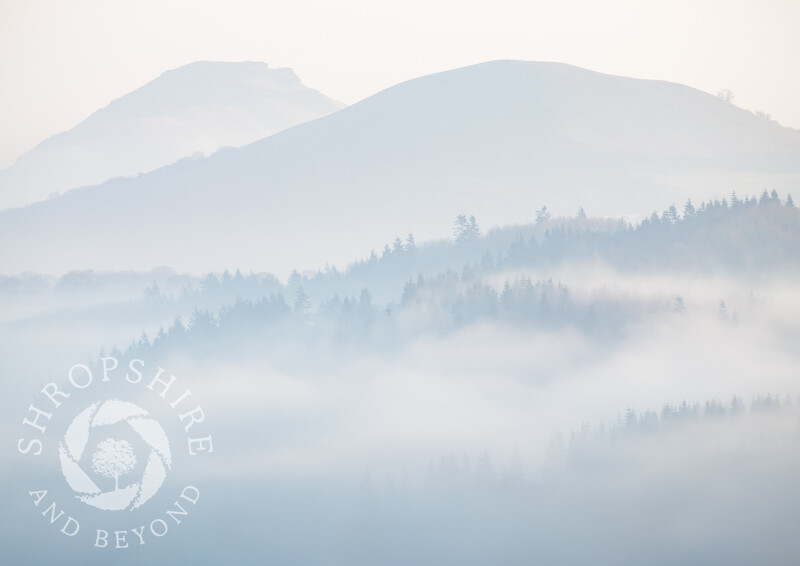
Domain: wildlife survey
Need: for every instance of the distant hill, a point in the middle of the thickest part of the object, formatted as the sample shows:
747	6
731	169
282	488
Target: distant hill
199	107
497	140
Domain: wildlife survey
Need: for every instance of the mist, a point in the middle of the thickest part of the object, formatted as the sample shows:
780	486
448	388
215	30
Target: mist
573	390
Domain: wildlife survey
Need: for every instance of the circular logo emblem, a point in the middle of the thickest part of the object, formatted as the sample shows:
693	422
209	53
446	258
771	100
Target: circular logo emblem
111	457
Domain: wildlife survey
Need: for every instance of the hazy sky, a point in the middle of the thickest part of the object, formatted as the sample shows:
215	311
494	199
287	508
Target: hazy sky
63	60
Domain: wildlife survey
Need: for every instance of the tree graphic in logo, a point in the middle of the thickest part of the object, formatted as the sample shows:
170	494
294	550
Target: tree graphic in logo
113	459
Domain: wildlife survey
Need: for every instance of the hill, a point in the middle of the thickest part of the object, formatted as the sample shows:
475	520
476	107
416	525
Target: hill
497	140
199	107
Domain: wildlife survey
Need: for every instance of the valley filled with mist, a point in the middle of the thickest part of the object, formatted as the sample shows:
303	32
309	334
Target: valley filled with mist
513	313
568	390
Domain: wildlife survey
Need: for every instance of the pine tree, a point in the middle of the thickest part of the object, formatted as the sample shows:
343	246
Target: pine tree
542	215
302	302
409	291
295	280
365	300
670	215
465	229
411	243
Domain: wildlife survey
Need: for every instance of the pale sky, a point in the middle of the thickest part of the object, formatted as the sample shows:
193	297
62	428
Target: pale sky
63	60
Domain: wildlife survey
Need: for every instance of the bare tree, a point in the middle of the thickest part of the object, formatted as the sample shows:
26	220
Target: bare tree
113	459
726	95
